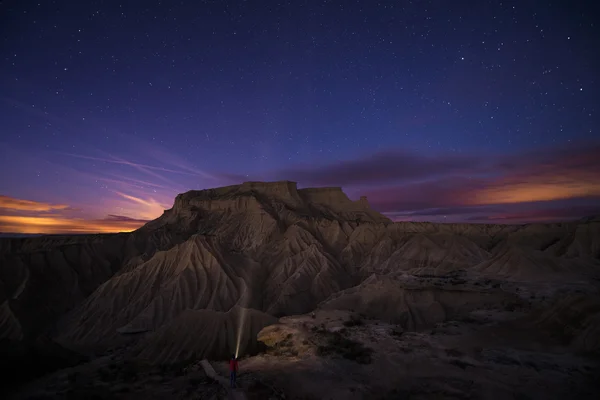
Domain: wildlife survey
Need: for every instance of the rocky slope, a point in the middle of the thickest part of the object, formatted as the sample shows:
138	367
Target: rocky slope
180	287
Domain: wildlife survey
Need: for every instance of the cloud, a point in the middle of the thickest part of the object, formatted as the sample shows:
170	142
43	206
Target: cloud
183	170
440	193
536	189
128	193
384	167
146	208
130	182
410	186
136	184
27	216
514	213
407	185
551	174
446	211
123	218
394	166
55	225
11	203
541	215
121	195
464	192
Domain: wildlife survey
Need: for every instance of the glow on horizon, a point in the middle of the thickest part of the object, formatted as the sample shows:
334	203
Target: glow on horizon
103	199
59	225
32	217
509	193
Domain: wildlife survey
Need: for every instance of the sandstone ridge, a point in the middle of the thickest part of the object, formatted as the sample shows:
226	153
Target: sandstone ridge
185	284
262	197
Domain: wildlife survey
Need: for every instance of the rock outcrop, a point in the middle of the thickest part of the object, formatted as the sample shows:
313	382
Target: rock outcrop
274	250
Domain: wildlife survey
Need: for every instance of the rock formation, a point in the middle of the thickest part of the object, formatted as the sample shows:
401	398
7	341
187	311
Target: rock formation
180	287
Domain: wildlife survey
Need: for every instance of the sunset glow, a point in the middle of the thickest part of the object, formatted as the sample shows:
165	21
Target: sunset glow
9	203
53	225
531	191
435	113
540	191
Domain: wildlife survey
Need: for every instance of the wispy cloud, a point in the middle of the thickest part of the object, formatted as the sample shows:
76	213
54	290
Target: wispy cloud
103	186
402	166
384	167
28	216
129	182
11	203
407	185
116	193
147	208
53	224
138	166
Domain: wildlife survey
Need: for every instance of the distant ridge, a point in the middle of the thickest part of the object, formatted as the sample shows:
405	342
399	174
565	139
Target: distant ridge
18	235
26	235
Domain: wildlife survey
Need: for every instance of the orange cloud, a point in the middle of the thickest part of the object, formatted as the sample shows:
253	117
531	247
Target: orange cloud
54	225
26	216
559	174
532	188
146	209
11	203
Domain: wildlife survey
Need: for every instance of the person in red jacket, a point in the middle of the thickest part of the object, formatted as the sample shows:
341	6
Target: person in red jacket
233	369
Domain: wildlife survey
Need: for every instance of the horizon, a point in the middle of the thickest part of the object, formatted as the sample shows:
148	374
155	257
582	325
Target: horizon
68	232
445	114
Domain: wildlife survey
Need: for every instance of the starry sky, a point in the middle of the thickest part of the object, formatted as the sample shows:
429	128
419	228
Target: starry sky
444	111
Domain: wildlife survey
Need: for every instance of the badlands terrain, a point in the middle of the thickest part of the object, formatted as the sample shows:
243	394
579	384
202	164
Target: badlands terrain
322	298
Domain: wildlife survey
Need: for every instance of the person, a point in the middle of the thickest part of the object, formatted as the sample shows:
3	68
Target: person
233	369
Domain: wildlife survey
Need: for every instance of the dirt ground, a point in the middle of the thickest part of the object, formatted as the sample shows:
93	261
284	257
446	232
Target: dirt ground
333	354
488	355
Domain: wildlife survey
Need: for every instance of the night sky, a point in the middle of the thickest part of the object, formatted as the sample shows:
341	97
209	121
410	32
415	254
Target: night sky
457	111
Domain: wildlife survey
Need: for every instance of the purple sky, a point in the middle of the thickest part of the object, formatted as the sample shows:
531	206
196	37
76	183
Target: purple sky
444	111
